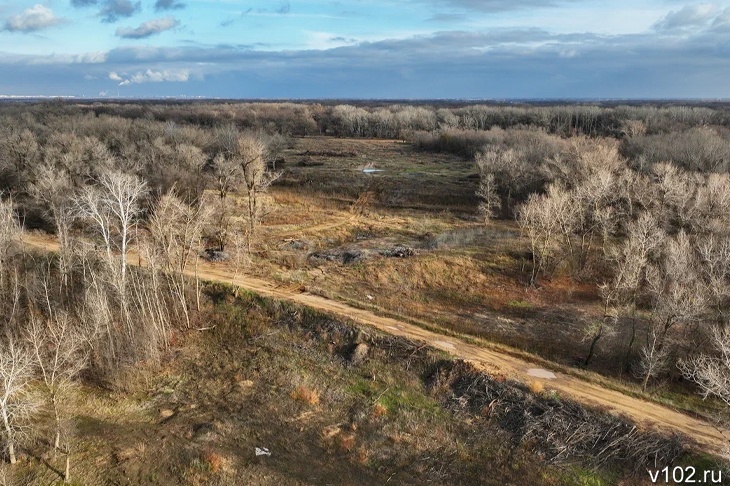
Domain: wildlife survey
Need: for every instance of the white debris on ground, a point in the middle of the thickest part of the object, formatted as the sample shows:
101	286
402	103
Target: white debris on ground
262	451
370	297
445	344
541	373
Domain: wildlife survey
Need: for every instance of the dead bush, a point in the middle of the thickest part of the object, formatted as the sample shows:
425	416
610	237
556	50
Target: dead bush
561	430
306	395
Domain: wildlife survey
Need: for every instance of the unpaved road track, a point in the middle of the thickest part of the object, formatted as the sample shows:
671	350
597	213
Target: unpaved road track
644	413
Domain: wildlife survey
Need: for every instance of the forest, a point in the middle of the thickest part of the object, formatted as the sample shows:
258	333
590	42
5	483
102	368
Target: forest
592	240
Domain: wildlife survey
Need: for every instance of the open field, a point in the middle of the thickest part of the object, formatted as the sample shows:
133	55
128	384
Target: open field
269	375
465	276
410	180
493	361
545	296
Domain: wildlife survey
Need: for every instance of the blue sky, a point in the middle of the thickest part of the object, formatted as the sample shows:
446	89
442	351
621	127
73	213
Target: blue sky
366	49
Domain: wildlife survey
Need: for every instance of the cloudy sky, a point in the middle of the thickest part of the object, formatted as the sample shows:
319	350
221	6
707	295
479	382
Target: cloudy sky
366	48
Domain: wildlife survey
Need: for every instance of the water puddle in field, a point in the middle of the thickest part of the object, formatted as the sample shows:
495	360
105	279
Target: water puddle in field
540	373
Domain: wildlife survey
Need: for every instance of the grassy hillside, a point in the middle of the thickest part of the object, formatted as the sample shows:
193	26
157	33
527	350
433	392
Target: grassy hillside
334	404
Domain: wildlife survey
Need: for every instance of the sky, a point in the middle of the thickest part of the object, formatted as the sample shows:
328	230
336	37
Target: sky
360	49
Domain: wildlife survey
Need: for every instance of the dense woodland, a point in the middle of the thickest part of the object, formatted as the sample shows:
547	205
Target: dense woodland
633	199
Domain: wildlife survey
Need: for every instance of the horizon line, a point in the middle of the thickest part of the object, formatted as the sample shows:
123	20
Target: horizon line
4	97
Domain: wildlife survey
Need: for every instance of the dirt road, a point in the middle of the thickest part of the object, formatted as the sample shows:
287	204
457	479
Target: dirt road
645	413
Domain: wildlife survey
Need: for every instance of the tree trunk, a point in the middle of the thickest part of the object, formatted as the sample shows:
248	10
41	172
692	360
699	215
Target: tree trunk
595	340
645	382
631	345
56	416
11	452
9	435
197	285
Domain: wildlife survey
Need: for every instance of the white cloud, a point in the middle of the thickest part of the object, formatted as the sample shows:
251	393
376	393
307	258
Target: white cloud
722	21
326	40
90	58
148	28
82	58
491	5
113	10
32	19
168	5
690	16
152	76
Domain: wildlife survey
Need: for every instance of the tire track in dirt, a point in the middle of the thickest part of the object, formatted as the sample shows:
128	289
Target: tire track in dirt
319	228
646	414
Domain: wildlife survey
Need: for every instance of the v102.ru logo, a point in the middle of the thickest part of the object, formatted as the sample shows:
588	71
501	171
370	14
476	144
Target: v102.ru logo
684	475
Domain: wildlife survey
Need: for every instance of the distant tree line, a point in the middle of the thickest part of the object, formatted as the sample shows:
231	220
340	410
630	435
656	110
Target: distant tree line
397	120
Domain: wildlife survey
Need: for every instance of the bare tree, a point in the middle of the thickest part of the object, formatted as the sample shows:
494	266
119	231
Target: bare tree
275	144
510	177
57	346
654	358
630	262
10	232
113	208
712	205
53	187
489	205
21	152
548	220
256	180
711	372
121	196
225	139
676	195
175	230
152	313
17	403
677	293
228	177
96	315
596	201
714	256
634	128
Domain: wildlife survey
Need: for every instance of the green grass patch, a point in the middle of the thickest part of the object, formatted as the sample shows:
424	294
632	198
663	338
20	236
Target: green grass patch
519	305
701	462
396	398
579	476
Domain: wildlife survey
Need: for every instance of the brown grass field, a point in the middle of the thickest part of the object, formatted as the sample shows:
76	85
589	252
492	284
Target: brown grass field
404	245
465	275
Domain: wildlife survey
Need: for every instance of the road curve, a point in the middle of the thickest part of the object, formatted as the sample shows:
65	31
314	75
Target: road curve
646	414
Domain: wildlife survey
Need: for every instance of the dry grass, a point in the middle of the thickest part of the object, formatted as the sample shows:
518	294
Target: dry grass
465	285
362	456
306	395
472	282
379	411
381	423
536	387
346	442
216	462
